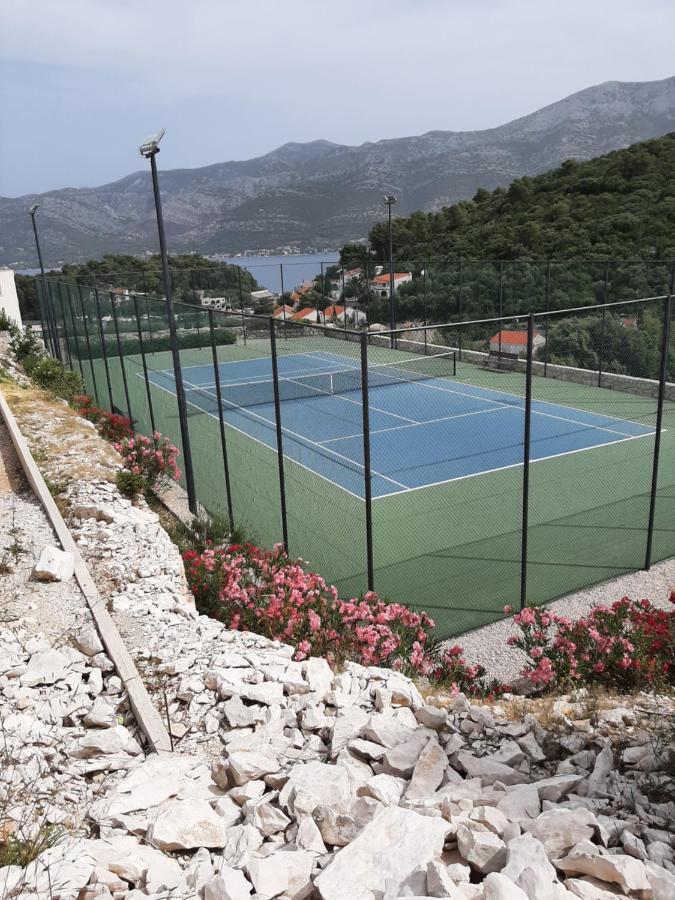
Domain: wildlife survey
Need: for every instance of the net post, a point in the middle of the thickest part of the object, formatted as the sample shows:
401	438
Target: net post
103	350
344	300
501	311
280	449
121	355
367	476
663	373
148	392
223	442
241	305
147	313
602	328
526	462
88	343
75	337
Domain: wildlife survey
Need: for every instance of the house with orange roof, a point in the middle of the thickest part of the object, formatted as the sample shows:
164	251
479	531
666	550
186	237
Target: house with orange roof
514	342
379	285
283	312
310	315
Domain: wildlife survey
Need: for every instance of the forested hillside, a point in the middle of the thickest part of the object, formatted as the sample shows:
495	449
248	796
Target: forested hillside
190	273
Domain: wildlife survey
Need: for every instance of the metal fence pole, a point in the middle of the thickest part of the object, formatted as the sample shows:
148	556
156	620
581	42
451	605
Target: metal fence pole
663	374
121	355
501	311
425	307
366	463
88	343
75	337
219	400
526	462
241	305
280	449
460	311
547	310
57	339
148	392
103	350
65	328
283	301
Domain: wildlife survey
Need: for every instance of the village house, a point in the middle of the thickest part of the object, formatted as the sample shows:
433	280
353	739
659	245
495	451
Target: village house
379	285
514	342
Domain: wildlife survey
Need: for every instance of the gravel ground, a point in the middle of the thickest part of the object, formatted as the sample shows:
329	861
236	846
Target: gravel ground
52	609
487	645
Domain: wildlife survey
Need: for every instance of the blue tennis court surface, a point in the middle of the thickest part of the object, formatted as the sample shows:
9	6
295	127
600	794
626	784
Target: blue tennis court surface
424	430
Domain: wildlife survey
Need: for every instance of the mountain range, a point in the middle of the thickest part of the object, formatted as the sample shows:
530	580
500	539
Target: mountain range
318	194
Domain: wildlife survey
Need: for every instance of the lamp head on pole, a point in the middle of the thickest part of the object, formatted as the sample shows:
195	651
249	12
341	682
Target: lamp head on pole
33	209
150	146
389	199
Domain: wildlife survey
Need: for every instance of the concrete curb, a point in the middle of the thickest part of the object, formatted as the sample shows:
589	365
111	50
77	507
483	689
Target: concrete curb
147	716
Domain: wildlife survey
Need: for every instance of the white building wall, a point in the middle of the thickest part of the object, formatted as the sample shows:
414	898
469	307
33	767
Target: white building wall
9	300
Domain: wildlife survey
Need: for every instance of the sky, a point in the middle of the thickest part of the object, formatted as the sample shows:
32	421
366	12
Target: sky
83	82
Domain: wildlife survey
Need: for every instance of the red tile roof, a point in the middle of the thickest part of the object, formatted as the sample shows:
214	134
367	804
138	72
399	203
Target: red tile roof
304	313
334	311
384	279
512	337
279	311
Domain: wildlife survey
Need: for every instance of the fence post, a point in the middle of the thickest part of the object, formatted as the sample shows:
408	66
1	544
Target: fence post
219	400
663	373
148	392
366	463
103	350
425	307
280	449
55	327
241	305
75	337
283	302
548	309
88	343
65	326
121	355
460	312
526	462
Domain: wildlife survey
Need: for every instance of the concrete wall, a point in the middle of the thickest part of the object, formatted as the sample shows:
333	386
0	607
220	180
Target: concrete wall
644	387
8	298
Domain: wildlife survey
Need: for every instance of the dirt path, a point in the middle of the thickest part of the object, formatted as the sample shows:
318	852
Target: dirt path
11	475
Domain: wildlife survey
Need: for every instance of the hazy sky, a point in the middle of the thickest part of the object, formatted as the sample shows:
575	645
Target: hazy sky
82	82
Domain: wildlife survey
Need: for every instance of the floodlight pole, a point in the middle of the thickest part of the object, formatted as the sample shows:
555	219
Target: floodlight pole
43	279
178	374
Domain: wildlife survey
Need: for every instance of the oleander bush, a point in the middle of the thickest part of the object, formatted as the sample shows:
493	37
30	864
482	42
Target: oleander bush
267	592
111	426
627	646
151	462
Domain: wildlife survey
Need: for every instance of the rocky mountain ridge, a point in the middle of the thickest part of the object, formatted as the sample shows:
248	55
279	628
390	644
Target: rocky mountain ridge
320	192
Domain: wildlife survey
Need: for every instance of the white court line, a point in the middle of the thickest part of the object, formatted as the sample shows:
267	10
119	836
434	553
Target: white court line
406	490
300	437
476	412
421	487
263	444
536	412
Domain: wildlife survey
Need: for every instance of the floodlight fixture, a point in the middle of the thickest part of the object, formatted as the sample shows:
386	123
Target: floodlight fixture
151	146
33	209
389	199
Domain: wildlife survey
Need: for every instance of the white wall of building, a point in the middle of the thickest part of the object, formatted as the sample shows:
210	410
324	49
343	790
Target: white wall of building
8	297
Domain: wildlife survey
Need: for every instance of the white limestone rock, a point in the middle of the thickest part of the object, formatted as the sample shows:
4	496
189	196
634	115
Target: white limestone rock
389	849
54	565
250	765
185	825
528	867
484	851
586	859
45	667
498	887
428	773
228	884
559	829
88	641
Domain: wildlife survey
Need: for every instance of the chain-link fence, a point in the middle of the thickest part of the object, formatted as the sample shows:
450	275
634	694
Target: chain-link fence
453	467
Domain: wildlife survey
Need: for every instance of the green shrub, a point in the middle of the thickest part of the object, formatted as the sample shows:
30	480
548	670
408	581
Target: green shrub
24	342
5	321
53	376
129	484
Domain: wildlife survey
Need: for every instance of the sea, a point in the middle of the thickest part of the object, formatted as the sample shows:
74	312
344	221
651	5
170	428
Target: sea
267	270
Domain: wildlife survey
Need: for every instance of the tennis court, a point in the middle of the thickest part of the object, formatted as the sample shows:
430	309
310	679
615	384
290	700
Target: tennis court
426	426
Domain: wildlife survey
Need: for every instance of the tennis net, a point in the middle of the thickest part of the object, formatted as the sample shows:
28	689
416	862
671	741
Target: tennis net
339	381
